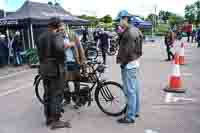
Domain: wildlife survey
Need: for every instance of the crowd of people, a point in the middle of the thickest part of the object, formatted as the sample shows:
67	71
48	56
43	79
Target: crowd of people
10	51
193	36
61	54
193	33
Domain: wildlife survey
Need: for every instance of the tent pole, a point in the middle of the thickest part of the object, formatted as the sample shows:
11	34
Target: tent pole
29	42
32	37
22	31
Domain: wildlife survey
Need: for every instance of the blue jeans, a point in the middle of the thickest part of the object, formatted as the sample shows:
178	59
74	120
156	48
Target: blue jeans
131	90
17	58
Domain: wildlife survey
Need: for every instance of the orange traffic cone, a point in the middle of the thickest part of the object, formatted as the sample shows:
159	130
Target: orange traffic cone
175	82
182	55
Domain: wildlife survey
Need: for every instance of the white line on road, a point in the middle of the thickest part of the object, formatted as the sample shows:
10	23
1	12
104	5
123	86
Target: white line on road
14	74
187	74
14	90
150	131
169	98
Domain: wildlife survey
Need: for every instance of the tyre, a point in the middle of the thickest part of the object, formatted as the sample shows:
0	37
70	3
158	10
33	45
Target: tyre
39	90
91	53
111	99
112	51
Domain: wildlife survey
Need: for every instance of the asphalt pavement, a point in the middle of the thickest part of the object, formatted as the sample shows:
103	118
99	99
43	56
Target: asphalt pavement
21	112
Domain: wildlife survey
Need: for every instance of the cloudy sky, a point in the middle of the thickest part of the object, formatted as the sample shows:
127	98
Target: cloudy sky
112	7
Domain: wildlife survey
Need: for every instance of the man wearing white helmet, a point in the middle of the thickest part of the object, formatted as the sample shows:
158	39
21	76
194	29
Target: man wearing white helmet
130	51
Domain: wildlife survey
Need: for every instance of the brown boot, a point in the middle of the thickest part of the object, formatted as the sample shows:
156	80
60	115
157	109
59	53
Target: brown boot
60	124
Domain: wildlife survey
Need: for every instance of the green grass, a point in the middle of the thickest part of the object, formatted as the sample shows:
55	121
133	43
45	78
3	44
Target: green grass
162	29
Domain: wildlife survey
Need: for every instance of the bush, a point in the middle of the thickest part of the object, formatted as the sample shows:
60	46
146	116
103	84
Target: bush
163	28
32	56
159	34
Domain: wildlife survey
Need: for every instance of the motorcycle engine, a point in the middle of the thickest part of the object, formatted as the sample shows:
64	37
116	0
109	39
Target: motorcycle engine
83	96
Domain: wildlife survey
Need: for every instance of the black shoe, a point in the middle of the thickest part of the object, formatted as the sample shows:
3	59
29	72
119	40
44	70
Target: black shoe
126	120
48	122
60	124
137	115
167	60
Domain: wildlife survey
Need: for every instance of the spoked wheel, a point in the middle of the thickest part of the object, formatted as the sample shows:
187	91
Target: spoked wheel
91	53
39	90
111	99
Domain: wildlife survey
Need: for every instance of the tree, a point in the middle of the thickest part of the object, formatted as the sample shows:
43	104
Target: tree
88	17
190	13
152	17
106	19
164	15
175	20
197	4
94	20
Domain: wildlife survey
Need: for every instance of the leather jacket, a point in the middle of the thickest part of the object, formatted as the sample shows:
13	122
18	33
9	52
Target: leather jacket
130	45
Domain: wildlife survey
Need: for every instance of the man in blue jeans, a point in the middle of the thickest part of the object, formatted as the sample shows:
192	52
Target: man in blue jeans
130	51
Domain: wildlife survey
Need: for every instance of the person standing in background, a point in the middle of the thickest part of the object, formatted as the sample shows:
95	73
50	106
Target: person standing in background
103	43
193	35
198	37
189	31
169	40
85	35
3	51
17	48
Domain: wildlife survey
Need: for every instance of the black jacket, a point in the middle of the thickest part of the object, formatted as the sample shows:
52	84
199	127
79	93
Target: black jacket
51	53
104	40
3	48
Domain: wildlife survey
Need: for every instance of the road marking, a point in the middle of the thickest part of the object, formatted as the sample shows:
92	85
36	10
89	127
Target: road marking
176	99
169	98
150	131
187	74
14	90
14	74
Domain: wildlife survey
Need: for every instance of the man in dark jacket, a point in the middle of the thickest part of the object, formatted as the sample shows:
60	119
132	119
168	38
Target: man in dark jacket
103	43
198	37
130	51
51	56
85	35
17	48
3	51
169	40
